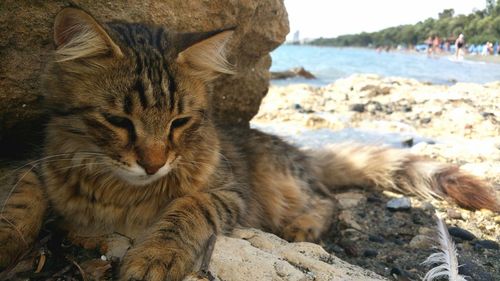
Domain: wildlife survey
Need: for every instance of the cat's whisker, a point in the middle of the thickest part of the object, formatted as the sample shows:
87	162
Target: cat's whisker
46	159
29	171
13	188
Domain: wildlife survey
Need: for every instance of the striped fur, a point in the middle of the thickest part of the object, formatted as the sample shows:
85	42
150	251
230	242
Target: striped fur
131	148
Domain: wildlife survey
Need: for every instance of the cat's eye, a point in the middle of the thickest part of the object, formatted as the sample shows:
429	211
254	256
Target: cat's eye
118	121
179	122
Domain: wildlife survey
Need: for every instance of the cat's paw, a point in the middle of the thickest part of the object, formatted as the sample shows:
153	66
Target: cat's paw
155	261
305	228
10	248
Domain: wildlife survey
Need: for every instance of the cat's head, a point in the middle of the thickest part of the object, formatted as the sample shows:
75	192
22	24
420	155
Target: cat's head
133	92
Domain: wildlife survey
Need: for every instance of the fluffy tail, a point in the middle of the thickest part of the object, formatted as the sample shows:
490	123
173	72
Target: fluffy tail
349	164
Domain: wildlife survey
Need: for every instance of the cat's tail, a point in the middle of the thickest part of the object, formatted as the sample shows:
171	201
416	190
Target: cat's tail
351	164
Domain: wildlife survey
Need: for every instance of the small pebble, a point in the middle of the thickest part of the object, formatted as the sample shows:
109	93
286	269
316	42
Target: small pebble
454	214
398	241
357	107
461	233
426	231
350	248
427	206
407	108
421	242
408	142
426	120
487	114
370	253
376	238
400	274
497	219
487	244
399	204
334	248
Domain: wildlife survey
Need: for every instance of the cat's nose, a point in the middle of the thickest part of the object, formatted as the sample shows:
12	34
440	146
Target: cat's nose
152	157
150	168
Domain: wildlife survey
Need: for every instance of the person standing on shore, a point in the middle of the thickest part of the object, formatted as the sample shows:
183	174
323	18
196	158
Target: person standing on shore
436	45
429	42
459	44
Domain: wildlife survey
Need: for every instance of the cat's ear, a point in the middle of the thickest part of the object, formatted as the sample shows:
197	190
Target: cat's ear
78	35
204	53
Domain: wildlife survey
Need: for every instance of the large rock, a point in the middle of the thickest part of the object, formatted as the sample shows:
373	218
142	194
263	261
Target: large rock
251	254
26	39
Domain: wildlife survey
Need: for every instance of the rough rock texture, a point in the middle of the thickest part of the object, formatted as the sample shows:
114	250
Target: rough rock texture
251	254
26	39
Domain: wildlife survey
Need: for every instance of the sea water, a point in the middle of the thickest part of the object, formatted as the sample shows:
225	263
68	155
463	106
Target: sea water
330	63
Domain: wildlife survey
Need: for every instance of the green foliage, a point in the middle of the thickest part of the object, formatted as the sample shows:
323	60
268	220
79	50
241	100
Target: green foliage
478	27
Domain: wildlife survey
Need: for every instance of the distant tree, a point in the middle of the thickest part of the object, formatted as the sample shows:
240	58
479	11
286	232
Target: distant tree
446	13
490	7
478	27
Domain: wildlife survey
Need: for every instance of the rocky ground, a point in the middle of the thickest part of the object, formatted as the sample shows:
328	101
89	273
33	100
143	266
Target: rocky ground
457	124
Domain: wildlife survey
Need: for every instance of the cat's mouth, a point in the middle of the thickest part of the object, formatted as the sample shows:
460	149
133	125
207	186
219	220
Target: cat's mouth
136	175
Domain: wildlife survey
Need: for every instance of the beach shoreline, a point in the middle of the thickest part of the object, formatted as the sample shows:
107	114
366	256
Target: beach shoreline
478	58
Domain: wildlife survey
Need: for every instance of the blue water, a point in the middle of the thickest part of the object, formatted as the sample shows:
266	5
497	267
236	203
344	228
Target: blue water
329	64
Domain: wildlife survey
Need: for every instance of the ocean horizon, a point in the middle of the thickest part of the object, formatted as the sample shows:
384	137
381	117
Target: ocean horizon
331	63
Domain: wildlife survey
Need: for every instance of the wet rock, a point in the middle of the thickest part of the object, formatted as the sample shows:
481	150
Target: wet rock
461	233
370	253
376	238
399	204
487	244
357	107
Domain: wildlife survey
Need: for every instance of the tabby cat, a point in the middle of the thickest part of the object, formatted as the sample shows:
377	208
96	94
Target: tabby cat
131	148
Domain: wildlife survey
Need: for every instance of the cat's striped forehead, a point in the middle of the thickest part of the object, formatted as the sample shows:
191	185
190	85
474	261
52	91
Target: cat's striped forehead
153	84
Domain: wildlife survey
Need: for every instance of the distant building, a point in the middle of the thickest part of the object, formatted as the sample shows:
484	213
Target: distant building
296	37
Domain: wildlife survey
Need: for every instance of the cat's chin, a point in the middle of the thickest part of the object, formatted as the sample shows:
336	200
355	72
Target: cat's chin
133	177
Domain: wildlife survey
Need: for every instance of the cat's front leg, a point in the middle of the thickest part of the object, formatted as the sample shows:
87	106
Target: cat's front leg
174	244
21	216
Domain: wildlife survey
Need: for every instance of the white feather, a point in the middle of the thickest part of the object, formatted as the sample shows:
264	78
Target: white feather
446	259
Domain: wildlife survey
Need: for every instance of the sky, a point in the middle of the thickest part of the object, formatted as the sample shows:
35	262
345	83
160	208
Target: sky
330	18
